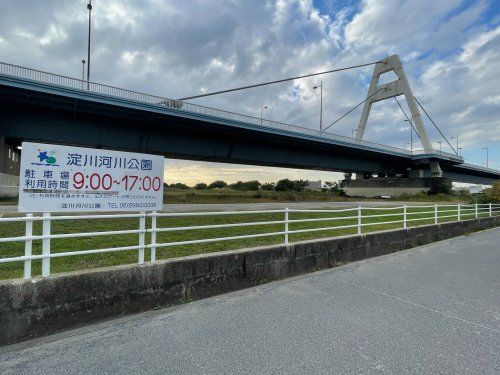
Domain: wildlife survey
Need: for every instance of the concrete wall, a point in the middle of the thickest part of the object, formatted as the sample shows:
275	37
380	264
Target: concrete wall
31	308
393	186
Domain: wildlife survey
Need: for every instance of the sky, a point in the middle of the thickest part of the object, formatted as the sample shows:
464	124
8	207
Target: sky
449	49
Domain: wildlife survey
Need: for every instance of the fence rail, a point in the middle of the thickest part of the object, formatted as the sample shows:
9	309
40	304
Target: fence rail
180	107
362	217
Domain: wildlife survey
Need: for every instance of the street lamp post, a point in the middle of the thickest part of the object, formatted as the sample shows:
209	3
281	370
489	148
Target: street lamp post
89	7
411	134
487	156
83	72
320	106
261	112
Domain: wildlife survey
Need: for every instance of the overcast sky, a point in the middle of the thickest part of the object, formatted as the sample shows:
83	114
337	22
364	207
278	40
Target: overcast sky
450	50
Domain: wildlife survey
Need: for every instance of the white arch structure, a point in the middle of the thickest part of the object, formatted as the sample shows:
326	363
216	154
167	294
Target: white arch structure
389	90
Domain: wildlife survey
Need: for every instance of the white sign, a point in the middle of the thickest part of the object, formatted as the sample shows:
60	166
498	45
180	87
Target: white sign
477	189
65	178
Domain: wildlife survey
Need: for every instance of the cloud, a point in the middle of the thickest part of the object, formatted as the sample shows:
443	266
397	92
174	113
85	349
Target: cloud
178	48
192	172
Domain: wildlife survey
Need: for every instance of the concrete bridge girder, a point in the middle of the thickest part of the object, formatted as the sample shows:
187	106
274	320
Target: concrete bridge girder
38	112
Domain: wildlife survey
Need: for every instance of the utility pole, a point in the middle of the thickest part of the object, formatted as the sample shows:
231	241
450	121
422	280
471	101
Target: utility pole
411	134
320	106
89	7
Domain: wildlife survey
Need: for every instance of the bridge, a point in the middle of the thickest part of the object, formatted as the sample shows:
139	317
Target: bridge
46	107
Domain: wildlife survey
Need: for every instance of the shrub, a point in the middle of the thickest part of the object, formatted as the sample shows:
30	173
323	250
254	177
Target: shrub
269	186
179	185
491	195
440	186
201	186
333	187
217	185
289	185
247	185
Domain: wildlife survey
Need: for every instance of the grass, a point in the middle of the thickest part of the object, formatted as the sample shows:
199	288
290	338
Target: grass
73	263
227	195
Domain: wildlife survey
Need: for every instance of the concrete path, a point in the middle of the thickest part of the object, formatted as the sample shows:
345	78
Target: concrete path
279	205
433	309
261	206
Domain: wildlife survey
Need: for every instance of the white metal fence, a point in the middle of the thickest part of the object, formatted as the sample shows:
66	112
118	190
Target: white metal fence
404	215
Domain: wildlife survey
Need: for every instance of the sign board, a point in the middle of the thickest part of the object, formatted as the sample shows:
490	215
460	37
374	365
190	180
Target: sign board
476	189
57	178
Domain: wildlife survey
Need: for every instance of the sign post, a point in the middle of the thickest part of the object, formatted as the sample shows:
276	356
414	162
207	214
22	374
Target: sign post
64	178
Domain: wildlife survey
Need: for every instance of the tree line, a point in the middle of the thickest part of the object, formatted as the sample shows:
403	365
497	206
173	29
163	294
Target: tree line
254	185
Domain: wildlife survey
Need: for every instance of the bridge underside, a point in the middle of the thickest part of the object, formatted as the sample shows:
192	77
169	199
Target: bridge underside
39	116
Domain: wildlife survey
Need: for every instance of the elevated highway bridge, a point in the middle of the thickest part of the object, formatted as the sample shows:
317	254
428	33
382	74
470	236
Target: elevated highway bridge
45	107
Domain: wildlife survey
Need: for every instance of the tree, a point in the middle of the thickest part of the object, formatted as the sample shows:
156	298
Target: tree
217	185
333	187
179	185
440	186
201	186
284	185
492	194
289	185
269	186
247	185
300	185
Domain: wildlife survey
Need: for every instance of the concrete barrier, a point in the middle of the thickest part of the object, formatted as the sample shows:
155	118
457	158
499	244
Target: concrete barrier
32	308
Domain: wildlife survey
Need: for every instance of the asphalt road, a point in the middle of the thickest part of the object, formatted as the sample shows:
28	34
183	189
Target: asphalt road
196	207
429	310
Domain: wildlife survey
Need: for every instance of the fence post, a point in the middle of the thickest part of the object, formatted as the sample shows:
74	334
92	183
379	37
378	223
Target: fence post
286	225
404	216
435	214
142	229
489	209
153	236
28	245
458	211
46	244
476	210
359	220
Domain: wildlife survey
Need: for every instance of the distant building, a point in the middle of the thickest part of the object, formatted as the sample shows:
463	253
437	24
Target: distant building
9	170
313	185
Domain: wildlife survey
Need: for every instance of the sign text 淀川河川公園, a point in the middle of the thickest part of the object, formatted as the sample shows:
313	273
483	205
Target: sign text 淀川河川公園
57	178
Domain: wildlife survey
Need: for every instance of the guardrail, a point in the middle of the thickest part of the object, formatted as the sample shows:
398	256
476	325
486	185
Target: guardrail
179	107
355	217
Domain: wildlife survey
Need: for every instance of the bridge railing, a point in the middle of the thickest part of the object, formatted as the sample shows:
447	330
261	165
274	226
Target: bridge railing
176	106
141	234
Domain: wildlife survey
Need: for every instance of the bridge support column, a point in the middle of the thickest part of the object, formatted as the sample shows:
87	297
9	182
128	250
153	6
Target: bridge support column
389	90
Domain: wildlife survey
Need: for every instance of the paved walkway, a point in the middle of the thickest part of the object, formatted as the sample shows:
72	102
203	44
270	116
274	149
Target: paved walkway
433	309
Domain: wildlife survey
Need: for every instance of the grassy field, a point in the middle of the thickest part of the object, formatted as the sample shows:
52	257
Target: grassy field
226	195
72	263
